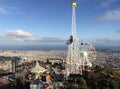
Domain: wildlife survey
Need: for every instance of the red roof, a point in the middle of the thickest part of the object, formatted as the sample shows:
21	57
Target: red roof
118	71
4	81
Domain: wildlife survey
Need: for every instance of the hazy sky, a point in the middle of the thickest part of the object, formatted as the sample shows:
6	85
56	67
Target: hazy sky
40	21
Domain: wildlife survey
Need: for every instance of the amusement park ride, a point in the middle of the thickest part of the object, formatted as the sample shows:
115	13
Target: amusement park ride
80	54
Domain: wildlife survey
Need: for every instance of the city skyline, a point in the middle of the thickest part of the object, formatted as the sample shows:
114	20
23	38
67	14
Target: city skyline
49	21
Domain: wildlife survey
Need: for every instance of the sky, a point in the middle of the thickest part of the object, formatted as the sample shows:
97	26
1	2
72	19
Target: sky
49	21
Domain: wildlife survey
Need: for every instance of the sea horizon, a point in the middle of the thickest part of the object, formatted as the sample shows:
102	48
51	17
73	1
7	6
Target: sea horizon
48	47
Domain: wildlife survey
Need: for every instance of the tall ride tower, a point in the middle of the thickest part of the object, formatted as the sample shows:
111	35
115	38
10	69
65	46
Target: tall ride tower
74	20
80	54
73	61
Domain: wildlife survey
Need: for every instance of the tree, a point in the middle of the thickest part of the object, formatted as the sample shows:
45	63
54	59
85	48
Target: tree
83	83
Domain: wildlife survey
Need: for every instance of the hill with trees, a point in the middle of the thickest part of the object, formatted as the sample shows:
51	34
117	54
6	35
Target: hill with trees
97	78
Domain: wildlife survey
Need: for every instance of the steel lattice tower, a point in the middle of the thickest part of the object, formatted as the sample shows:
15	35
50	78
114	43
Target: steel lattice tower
73	61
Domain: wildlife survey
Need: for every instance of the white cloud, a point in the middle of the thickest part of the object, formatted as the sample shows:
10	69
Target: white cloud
2	36
11	8
18	40
110	40
19	33
3	11
106	3
52	39
113	15
46	39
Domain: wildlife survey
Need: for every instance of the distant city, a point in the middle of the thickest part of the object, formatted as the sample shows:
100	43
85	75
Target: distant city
105	57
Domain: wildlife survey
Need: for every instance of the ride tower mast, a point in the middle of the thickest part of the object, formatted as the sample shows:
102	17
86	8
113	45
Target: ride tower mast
80	54
73	60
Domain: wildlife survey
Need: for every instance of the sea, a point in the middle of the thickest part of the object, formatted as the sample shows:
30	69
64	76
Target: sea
48	47
33	47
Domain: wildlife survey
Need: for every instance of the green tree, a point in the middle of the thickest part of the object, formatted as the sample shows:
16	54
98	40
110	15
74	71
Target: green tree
83	83
114	84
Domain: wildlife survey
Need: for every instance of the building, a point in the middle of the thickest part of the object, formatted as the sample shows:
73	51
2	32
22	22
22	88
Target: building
17	64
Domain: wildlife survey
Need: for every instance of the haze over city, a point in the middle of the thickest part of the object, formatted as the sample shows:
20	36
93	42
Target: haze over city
47	22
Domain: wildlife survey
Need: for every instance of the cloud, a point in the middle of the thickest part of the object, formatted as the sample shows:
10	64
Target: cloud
18	40
19	33
46	39
3	11
113	15
118	31
52	39
106	3
6	7
109	40
2	36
